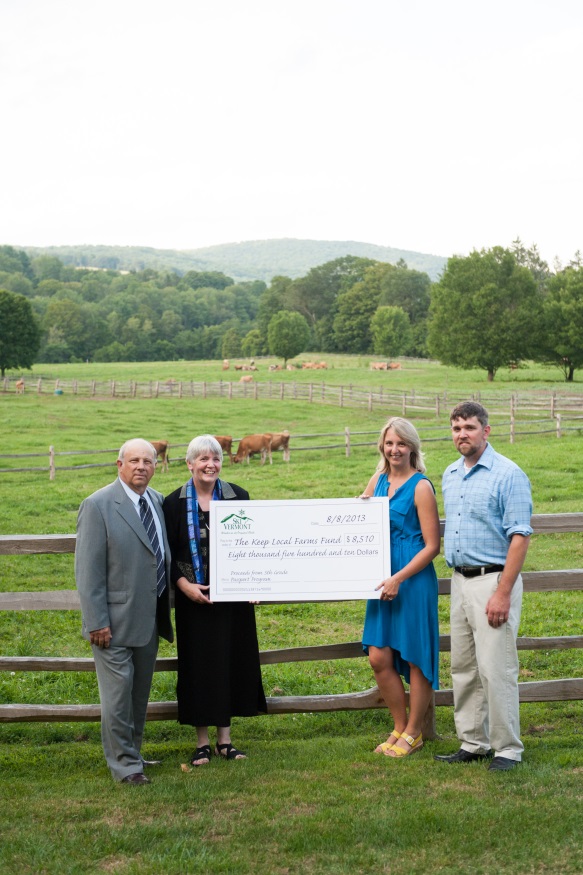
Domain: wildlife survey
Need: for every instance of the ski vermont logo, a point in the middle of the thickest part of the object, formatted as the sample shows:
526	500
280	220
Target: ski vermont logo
237	522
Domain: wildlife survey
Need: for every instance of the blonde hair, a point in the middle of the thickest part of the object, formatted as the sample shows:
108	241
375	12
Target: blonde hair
407	432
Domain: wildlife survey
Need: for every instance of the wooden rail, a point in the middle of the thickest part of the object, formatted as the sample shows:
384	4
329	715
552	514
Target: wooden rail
564	689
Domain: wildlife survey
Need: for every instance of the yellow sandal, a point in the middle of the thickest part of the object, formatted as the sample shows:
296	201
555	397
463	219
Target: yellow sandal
415	744
385	746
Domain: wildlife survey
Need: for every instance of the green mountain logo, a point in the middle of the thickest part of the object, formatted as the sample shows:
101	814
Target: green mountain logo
241	516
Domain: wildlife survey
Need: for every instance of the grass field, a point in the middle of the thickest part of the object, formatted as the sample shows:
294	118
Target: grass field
311	798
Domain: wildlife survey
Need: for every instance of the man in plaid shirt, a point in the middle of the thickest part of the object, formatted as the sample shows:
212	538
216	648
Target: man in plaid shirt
488	507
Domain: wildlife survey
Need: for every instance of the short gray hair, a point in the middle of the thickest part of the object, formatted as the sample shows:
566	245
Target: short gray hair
144	443
204	443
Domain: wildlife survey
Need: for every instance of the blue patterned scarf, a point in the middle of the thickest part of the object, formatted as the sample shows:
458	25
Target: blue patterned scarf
194	527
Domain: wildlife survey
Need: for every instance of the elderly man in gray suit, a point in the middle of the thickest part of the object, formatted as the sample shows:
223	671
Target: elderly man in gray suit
122	570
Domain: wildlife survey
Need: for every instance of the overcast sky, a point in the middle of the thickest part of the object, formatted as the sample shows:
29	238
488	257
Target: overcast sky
439	126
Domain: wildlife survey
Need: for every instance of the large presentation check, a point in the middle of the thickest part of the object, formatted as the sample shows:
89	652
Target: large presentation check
312	550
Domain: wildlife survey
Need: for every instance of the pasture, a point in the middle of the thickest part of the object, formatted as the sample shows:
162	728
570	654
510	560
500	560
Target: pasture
311	798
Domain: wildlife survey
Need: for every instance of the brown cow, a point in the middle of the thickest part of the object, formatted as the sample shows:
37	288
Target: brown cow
226	442
378	366
280	441
246	379
225	364
161	448
20	387
395	366
251	444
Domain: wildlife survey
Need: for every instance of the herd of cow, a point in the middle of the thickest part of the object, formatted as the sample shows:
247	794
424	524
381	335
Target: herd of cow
247	378
250	445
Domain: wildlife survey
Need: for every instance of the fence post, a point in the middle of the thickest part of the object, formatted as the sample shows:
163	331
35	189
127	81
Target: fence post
113	388
38	386
230	390
341	397
553	400
512	423
311	393
437	406
180	389
255	390
323	390
347	440
370	402
558	425
404	405
204	389
157	389
51	463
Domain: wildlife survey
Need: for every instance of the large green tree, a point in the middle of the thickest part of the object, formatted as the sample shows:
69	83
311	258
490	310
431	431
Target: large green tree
272	301
355	309
19	332
288	334
391	331
315	296
562	340
409	290
484	312
15	261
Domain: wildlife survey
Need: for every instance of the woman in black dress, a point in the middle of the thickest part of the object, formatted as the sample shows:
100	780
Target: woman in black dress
219	675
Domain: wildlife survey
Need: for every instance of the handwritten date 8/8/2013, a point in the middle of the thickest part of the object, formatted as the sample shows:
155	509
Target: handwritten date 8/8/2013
349	518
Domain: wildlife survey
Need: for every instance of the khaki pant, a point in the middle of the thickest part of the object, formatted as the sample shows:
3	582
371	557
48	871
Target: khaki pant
484	667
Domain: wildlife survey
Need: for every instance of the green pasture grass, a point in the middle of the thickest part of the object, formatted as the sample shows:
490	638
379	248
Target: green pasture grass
311	798
419	375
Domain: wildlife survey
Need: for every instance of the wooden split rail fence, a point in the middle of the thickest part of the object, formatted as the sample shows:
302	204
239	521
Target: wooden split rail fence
405	402
510	429
565	689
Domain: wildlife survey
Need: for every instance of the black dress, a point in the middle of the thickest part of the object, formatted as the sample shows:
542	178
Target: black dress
219	675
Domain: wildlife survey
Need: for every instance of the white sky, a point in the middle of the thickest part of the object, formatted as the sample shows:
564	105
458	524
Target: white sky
432	125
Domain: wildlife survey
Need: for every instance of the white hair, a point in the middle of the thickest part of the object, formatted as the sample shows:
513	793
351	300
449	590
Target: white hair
204	443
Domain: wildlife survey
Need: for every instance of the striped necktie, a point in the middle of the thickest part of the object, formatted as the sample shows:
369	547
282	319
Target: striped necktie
150	527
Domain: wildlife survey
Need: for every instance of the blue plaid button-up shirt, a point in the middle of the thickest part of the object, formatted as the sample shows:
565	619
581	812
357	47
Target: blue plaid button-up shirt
484	507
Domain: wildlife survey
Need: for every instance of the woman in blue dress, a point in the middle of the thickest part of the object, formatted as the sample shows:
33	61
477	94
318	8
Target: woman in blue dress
401	633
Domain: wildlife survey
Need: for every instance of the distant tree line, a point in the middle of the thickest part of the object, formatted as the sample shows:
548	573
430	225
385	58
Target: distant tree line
491	309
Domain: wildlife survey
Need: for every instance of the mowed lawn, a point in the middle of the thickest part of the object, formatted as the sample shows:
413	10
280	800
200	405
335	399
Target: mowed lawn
311	797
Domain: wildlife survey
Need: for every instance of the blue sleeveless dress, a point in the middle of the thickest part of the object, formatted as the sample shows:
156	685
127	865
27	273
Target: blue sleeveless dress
408	624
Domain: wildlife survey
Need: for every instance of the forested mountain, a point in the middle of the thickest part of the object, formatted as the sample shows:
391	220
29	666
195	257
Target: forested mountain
489	310
251	260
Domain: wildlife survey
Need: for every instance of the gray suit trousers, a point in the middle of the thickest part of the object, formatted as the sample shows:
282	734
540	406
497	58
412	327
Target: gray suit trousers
124	675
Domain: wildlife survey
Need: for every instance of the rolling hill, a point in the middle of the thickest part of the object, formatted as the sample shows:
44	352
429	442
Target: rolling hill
254	259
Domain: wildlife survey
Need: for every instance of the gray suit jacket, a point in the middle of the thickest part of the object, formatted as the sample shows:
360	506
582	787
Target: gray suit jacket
115	569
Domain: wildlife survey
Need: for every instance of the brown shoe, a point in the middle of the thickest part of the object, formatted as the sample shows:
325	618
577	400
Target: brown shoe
136	778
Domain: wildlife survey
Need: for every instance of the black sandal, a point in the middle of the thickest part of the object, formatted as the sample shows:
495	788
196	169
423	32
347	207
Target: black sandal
228	752
201	753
